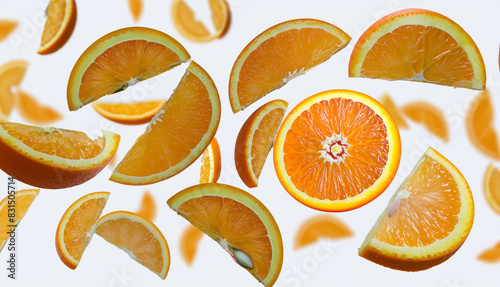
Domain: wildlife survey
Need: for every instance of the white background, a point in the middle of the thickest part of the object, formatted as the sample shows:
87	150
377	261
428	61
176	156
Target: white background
102	263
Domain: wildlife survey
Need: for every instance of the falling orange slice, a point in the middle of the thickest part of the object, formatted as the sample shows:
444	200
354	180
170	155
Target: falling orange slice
129	114
11	76
189	243
34	112
490	255
147	209
60	23
210	163
136	7
319	227
6	28
429	116
389	104
491	187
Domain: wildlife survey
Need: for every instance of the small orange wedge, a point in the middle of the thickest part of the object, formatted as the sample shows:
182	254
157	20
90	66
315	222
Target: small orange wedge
189	243
77	226
136	7
210	163
389	104
490	255
147	209
60	23
318	227
255	140
34	112
491	187
129	114
11	76
138	237
429	116
6	28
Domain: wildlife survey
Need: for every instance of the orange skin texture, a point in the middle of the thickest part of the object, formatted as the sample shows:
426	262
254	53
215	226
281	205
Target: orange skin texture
65	36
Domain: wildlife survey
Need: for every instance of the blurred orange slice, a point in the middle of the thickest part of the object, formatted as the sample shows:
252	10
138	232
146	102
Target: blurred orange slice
129	114
136	7
11	76
147	208
389	104
34	112
431	117
210	163
6	28
60	23
319	227
490	255
491	187
189	243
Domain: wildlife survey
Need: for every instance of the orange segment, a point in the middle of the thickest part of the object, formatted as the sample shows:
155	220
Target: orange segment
147	209
121	59
426	221
491	187
236	220
210	163
136	7
429	116
34	112
51	157
77	226
138	237
11	76
479	123
129	113
318	227
280	54
60	23
189	243
6	28
177	135
490	255
418	45
389	104
337	150
255	140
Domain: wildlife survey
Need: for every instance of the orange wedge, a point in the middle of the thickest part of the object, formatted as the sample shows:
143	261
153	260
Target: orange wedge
6	28
129	114
239	222
389	104
418	45
177	135
189	243
255	140
136	7
20	201
11	76
210	163
426	221
52	157
60	23
280	54
121	59
429	116
479	123
319	227
34	112
138	237
491	255
337	150
77	226
147	209
491	187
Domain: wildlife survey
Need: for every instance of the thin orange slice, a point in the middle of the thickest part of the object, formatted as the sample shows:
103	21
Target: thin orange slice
121	59
389	104
429	116
131	113
239	222
337	150
77	226
52	157
255	140
11	76
34	112
479	123
210	163
20	201
6	28
319	227
280	54
136	7
426	221
418	45
138	237
490	255
147	209
60	23
177	135
189	243
491	187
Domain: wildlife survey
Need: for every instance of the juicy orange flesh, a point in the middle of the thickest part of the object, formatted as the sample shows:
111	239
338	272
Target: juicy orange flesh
490	255
189	243
207	165
226	219
263	139
428	115
22	203
134	237
366	158
394	111
31	110
186	119
147	208
135	8
494	187
131	109
59	142
56	11
187	19
429	213
321	226
9	79
80	224
6	27
412	50
112	70
480	124
277	59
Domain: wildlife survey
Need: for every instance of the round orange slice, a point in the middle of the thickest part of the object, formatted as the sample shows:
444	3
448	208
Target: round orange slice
189	243
418	45
239	222
278	55
52	157
138	237
129	114
60	23
11	76
121	59
319	227
390	105
177	135
211	163
33	111
77	226
426	221
491	187
337	150
255	140
6	28
429	116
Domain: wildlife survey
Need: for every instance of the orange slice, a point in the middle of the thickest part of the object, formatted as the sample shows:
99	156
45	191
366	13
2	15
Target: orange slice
60	23
418	45
177	135
239	222
34	112
6	28
136	7
426	221
491	255
429	116
318	227
255	140
147	209
189	243
210	163
280	54
138	237
337	150
77	226
52	157
389	104
491	187
11	76
192	29
21	201
479	123
121	59
129	114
